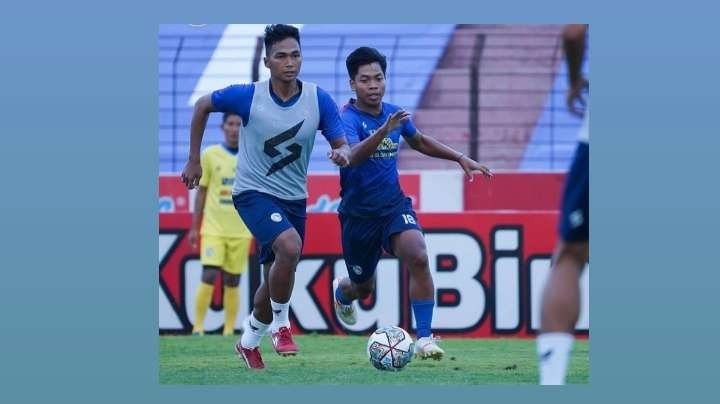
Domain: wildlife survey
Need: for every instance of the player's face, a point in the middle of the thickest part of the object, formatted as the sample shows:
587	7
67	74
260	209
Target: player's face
369	84
231	129
284	60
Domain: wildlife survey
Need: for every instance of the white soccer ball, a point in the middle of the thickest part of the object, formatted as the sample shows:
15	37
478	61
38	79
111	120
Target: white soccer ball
390	348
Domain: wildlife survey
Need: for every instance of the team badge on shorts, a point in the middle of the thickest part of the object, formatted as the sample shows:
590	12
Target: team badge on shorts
576	218
357	269
276	217
209	251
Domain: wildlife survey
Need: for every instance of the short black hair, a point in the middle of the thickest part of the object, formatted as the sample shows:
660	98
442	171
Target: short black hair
364	56
227	115
277	32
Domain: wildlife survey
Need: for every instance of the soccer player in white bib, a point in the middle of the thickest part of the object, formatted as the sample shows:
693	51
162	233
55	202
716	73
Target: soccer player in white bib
280	118
560	305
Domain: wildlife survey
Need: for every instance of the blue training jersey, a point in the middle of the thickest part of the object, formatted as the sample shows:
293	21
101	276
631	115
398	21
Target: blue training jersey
372	189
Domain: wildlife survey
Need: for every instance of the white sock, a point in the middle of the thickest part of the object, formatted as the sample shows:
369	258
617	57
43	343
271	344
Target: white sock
253	332
280	314
553	350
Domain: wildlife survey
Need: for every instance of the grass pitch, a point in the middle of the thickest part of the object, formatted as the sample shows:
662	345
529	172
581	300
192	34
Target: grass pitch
327	360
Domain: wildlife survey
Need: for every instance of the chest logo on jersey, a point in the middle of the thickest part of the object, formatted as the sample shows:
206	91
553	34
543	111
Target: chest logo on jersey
295	149
386	149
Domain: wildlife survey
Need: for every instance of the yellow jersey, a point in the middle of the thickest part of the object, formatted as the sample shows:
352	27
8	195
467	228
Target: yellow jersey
219	215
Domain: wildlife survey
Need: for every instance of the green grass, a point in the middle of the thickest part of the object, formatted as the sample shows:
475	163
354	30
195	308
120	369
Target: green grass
327	360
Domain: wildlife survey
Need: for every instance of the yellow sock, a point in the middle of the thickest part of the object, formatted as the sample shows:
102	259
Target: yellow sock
231	296
202	303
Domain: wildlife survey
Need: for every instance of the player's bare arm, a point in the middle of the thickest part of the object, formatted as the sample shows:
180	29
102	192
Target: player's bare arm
431	147
363	150
193	236
192	172
574	44
340	153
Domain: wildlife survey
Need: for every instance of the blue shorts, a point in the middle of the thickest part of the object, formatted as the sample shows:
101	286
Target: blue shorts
363	239
267	216
575	214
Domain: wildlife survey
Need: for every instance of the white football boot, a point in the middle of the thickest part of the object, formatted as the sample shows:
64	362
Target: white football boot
427	347
346	313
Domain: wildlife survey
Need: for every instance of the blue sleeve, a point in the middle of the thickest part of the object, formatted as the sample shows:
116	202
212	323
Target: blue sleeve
236	98
351	132
330	123
409	129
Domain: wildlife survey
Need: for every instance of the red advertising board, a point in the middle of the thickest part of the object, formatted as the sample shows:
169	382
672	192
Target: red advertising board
488	269
173	195
515	191
323	192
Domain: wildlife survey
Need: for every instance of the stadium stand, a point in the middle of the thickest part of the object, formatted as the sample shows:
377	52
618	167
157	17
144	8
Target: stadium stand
522	122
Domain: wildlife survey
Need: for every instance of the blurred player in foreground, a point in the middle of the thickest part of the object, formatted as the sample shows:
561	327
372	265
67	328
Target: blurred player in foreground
560	306
280	119
224	238
375	214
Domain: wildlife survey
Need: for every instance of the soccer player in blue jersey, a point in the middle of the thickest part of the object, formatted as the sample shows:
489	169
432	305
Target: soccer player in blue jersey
280	118
375	215
560	307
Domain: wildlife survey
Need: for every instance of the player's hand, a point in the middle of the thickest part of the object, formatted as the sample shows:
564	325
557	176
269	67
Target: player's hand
395	120
340	156
575	97
472	167
191	173
193	239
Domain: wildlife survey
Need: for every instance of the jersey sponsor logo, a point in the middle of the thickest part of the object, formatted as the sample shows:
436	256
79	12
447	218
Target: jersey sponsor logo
386	150
295	149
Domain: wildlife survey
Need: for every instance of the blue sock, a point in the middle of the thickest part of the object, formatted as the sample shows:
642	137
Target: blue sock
423	310
341	297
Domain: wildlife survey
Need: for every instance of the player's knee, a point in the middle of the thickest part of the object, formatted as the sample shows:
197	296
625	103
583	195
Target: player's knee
287	248
417	261
364	290
577	252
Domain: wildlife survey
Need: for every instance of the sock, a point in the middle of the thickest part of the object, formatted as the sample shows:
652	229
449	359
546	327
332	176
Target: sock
253	332
280	314
202	303
423	310
553	353
340	297
231	296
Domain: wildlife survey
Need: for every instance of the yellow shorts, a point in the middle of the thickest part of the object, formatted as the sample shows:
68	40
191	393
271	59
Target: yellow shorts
229	253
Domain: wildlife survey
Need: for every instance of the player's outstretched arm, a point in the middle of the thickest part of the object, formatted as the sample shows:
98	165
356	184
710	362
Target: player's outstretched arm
431	147
574	44
192	172
361	151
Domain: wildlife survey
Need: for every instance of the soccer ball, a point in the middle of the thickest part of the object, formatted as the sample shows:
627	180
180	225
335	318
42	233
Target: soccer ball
390	348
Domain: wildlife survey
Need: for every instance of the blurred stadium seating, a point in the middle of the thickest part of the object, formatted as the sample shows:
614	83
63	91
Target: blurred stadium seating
521	119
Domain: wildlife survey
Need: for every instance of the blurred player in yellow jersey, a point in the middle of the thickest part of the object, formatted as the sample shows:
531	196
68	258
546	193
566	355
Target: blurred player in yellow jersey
224	238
